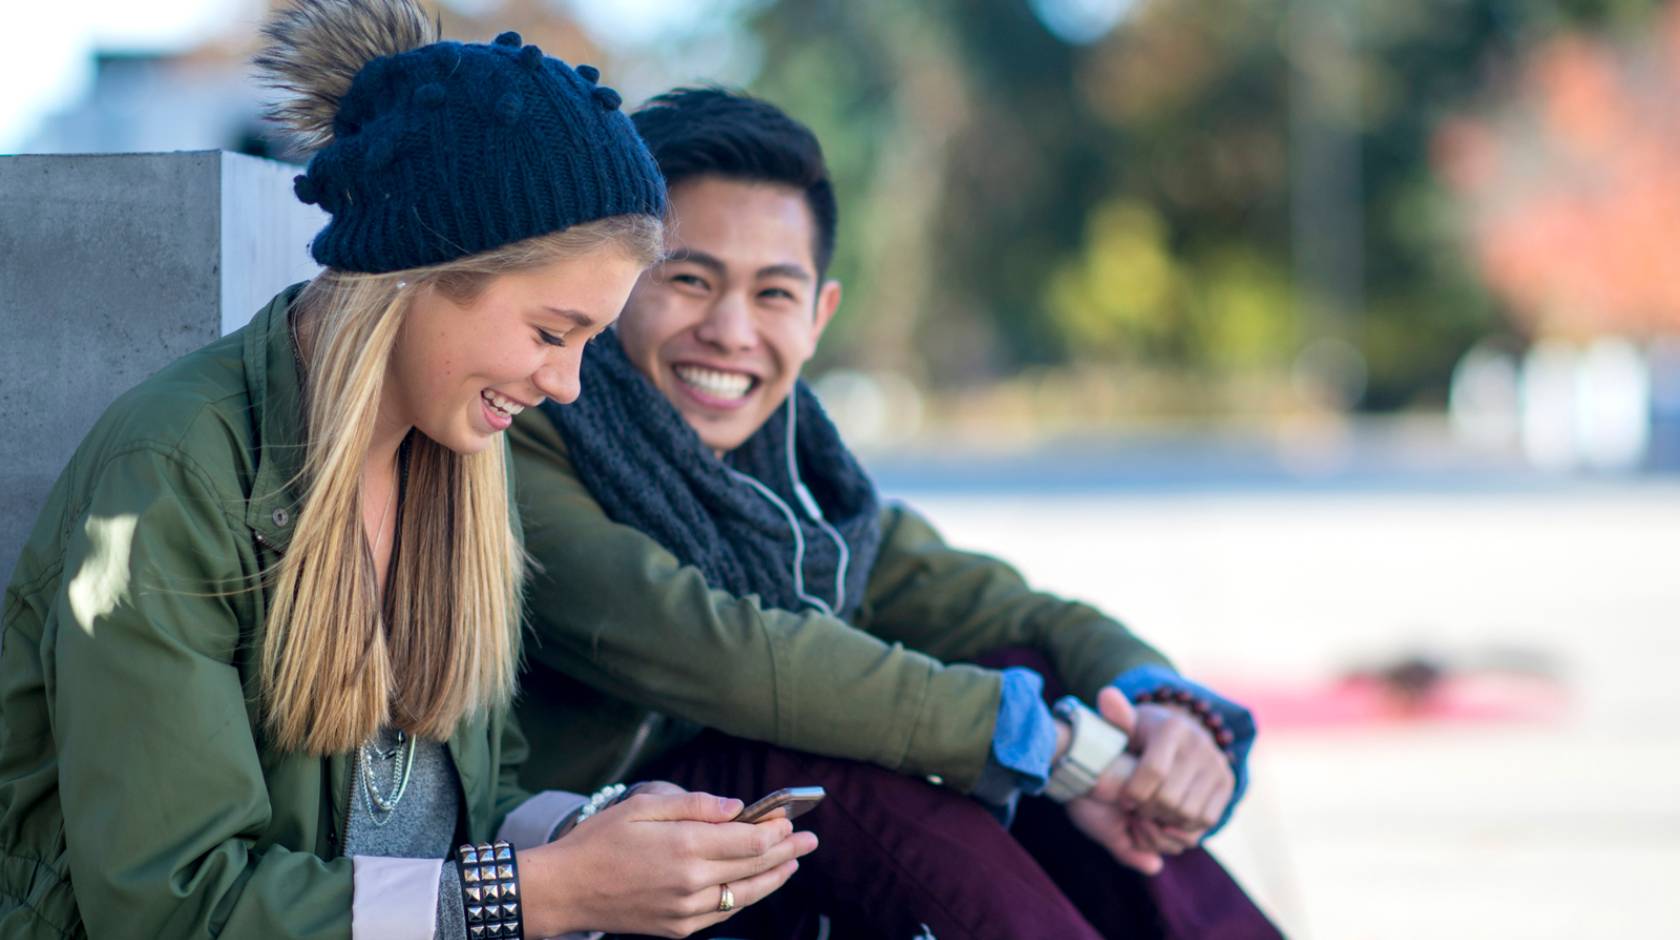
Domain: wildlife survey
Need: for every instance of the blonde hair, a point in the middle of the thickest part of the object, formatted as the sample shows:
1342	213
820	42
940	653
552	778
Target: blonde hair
333	669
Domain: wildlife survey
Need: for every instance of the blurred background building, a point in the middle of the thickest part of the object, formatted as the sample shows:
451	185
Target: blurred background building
1336	343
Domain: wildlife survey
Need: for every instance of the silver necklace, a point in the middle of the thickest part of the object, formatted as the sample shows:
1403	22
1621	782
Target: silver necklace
401	771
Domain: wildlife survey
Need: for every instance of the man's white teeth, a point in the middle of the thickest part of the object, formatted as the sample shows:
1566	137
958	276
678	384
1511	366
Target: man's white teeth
504	405
713	382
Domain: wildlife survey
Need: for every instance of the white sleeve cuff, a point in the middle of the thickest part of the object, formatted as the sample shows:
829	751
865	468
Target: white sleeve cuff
533	822
394	898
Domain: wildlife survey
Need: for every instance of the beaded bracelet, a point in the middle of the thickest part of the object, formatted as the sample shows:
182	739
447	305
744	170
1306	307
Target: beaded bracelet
600	800
1197	706
609	795
490	891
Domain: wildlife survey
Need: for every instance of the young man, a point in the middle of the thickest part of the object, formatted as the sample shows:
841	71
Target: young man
710	556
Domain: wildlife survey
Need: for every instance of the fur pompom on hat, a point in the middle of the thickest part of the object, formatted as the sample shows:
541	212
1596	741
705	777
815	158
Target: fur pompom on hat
426	151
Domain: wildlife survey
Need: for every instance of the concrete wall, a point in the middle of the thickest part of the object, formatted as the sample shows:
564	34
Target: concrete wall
110	267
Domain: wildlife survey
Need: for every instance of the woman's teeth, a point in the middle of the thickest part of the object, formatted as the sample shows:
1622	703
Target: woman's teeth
504	405
713	382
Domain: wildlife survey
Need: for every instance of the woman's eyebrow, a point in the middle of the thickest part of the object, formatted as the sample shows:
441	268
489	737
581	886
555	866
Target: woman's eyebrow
578	317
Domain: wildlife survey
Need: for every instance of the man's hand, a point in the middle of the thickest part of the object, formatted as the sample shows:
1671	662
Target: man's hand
1183	780
1113	829
1099	813
1162	802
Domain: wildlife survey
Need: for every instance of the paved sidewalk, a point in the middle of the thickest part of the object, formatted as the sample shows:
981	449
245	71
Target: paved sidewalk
1564	827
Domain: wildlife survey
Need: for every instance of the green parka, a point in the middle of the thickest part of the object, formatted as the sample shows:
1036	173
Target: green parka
623	637
137	795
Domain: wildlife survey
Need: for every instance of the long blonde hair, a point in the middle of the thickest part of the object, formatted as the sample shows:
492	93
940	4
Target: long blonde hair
333	670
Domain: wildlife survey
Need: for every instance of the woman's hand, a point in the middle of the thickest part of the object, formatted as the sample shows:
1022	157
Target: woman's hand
656	864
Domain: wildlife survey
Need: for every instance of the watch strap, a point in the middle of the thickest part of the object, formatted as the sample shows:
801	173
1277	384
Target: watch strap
1093	744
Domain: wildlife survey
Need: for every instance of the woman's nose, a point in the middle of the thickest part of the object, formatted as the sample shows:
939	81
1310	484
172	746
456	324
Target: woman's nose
558	380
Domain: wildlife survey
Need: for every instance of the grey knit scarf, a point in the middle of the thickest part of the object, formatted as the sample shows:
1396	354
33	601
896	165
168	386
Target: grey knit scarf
648	469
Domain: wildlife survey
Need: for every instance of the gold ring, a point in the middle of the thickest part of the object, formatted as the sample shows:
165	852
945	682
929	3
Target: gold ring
726	901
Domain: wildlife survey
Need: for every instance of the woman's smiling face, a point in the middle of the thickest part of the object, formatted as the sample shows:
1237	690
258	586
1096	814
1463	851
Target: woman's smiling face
459	372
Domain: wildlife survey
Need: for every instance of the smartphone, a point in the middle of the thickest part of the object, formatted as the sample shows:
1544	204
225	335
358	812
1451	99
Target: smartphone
785	803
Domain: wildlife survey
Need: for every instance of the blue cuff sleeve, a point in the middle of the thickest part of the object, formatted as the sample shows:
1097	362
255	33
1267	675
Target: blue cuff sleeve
1023	743
1135	682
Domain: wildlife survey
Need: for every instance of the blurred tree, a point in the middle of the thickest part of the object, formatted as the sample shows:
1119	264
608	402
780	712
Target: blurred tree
1572	184
1209	185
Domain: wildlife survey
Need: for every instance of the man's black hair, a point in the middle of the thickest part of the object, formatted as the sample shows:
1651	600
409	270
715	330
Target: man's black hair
695	132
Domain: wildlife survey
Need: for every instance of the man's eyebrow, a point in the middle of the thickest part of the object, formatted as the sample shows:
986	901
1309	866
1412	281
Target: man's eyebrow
694	256
795	271
583	320
787	269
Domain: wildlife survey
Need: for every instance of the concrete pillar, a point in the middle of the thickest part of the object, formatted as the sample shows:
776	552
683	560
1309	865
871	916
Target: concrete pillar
111	266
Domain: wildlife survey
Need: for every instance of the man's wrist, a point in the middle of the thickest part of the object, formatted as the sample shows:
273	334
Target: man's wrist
1187	712
1093	744
1199	711
1142	684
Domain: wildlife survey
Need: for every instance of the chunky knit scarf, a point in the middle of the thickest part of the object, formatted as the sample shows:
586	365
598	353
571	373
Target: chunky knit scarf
648	469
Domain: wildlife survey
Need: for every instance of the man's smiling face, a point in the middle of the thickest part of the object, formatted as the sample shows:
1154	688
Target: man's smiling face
724	324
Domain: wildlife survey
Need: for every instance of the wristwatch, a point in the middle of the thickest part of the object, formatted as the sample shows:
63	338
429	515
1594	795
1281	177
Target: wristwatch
1093	744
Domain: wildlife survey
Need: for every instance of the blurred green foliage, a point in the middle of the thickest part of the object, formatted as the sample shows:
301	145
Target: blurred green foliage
1208	187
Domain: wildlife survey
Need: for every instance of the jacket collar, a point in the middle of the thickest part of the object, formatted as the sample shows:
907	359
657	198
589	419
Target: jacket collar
276	395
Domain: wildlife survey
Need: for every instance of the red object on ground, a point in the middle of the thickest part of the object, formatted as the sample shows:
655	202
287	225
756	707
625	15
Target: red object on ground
1363	701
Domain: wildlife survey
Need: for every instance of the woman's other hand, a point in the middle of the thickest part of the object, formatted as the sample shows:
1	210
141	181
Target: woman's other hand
656	863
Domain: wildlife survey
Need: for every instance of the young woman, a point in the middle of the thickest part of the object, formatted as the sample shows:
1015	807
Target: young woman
259	647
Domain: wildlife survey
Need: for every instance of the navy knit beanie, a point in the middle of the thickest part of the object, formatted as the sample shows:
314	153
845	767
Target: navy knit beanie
451	149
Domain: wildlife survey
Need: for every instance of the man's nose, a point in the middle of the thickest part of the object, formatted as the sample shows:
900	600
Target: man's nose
728	325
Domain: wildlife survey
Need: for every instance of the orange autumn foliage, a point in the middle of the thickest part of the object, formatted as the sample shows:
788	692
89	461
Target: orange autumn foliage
1570	188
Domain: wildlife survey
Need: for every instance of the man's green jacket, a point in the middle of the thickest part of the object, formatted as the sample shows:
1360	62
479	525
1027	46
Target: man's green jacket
137	796
621	631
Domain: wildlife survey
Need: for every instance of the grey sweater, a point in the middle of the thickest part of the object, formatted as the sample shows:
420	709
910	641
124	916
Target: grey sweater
423	823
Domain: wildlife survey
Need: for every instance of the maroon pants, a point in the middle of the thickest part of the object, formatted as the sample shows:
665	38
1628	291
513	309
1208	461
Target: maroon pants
899	854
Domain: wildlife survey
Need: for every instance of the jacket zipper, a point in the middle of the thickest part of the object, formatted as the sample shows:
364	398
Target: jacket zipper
349	798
